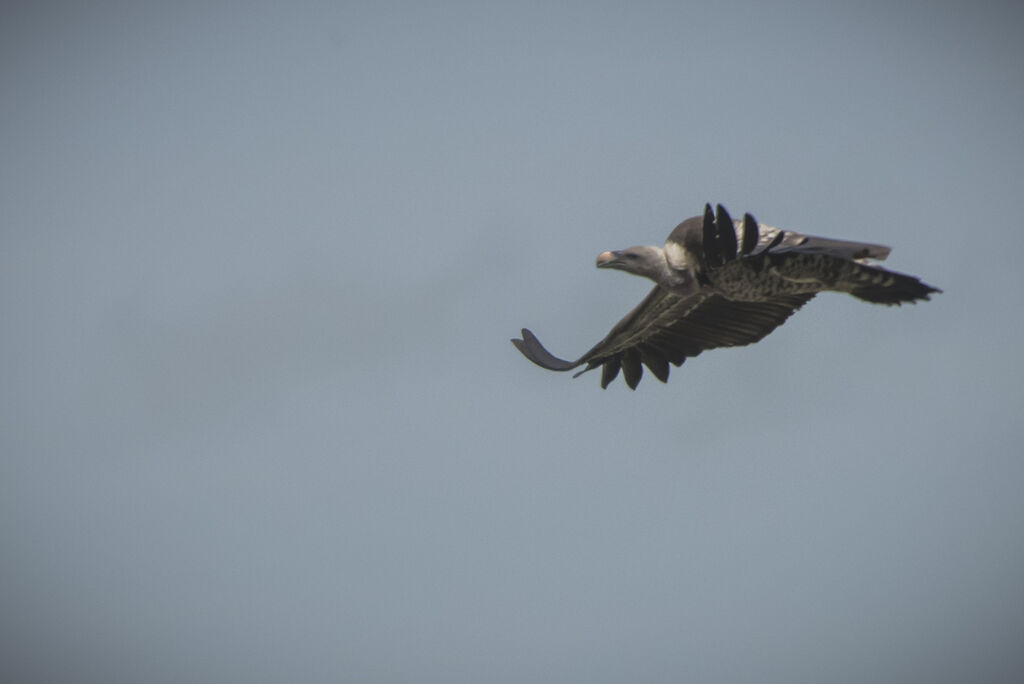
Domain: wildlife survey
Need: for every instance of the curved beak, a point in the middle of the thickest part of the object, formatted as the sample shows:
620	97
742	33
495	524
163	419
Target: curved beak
606	259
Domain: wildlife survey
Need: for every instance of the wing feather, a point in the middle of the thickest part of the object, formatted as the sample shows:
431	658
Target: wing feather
609	371
726	234
655	361
632	371
750	234
666	328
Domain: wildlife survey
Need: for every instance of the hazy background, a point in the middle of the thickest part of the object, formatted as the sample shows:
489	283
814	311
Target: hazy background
260	420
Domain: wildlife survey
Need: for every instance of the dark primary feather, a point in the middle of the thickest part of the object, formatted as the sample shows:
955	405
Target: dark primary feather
532	349
726	232
751	279
750	234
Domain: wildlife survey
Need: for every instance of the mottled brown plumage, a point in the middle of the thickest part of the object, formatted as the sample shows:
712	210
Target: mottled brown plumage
724	283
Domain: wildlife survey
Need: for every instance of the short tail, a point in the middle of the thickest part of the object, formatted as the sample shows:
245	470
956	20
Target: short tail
879	286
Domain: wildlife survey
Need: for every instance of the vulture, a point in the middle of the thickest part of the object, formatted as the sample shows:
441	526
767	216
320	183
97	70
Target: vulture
721	282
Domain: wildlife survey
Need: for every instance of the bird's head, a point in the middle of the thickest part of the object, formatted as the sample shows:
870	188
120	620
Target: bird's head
645	260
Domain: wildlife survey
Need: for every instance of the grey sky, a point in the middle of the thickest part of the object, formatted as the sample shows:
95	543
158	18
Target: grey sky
260	419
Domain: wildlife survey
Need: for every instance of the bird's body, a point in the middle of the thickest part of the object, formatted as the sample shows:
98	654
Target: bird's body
723	283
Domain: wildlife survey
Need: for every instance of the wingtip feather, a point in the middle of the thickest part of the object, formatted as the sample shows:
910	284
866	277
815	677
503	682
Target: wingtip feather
532	349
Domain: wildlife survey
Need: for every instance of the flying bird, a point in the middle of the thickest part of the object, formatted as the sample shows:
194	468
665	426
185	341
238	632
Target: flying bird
721	282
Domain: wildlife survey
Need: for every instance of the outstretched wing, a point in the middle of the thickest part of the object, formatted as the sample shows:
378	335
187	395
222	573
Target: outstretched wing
839	265
666	328
724	239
